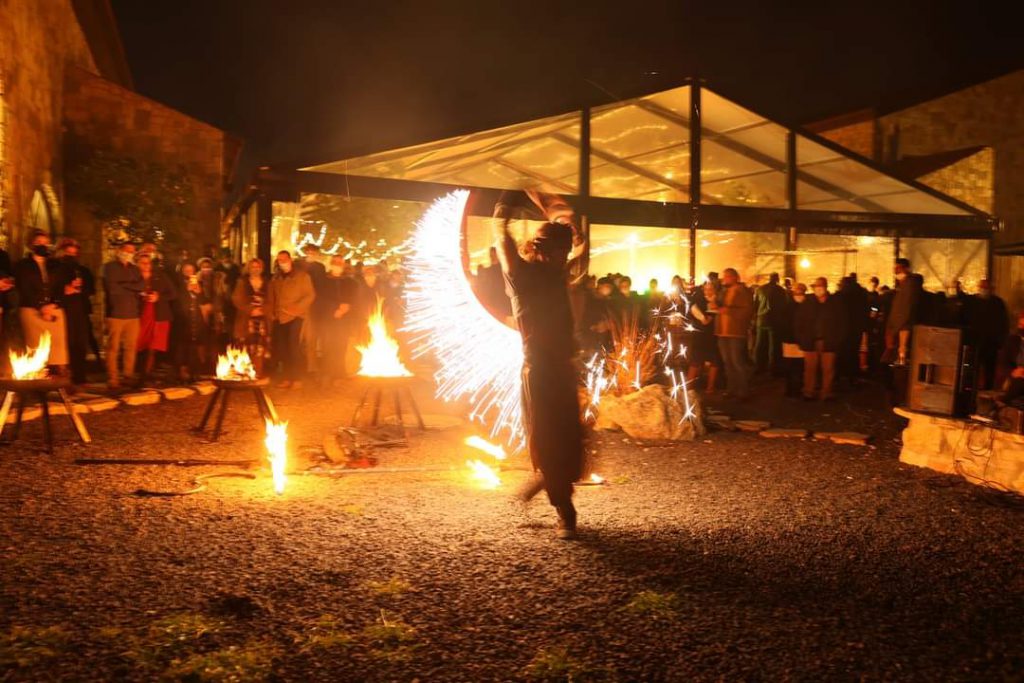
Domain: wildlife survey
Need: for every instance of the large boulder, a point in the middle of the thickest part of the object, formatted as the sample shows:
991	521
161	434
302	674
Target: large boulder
651	414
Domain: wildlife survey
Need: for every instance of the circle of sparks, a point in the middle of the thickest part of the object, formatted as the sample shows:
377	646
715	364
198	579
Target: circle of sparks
479	358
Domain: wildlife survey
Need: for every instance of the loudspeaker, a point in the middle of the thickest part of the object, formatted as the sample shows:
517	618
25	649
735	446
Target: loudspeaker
937	378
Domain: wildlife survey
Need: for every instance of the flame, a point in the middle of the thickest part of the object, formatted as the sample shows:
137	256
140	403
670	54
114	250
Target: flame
32	363
596	479
277	448
484	475
380	356
236	365
486	446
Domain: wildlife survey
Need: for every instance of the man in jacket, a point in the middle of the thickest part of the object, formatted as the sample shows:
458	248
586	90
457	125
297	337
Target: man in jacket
289	299
821	328
41	283
904	310
770	305
76	300
735	309
122	287
988	322
855	303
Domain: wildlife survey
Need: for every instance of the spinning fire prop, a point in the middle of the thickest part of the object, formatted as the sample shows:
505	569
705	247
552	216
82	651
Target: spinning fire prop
235	366
277	449
483	474
32	363
479	358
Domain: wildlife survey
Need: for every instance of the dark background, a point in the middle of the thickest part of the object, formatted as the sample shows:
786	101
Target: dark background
315	80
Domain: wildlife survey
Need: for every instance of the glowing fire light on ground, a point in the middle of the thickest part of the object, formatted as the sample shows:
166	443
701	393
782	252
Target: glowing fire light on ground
380	356
494	450
235	365
596	479
484	474
32	363
277	449
479	358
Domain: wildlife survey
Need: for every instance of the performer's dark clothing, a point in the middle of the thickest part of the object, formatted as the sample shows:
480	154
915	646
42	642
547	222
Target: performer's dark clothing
540	304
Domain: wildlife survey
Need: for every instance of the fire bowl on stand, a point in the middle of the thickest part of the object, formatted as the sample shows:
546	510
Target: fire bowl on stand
226	387
39	388
393	388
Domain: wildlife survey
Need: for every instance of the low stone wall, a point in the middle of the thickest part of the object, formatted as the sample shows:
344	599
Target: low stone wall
977	452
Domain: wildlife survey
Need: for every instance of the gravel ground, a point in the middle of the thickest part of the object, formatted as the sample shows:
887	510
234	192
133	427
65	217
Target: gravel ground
736	558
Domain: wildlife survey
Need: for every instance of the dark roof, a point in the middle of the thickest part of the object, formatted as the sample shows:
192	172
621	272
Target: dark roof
101	33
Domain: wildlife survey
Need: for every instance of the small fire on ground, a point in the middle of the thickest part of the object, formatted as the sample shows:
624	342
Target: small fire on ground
277	450
380	357
32	363
235	366
481	444
483	474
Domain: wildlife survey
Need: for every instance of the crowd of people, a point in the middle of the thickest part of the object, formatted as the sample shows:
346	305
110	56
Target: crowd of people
819	336
168	321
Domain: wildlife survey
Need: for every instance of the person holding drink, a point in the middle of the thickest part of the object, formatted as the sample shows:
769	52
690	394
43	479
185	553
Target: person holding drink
155	318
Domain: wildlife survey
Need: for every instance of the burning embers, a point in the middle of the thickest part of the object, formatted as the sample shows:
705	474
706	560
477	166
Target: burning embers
236	366
277	450
32	363
380	357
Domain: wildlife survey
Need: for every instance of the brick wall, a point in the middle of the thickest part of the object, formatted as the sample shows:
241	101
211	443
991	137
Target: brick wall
38	42
104	115
858	137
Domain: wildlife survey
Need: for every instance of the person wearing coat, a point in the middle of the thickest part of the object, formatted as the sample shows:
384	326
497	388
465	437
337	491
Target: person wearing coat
77	304
734	311
821	328
251	328
904	311
288	303
156	313
41	283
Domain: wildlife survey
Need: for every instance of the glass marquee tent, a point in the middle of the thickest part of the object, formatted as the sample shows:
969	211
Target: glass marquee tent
682	182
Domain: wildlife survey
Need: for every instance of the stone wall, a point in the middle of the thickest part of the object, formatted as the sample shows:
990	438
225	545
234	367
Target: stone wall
38	42
106	116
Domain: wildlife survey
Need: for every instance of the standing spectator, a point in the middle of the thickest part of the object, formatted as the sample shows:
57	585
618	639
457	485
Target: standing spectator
156	314
122	287
701	347
77	304
192	314
631	308
988	323
876	323
655	297
339	295
216	294
820	329
734	311
792	354
903	313
315	326
229	272
7	294
42	282
770	304
288	302
252	330
854	301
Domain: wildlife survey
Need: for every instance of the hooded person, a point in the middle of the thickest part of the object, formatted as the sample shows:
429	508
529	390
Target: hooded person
536	279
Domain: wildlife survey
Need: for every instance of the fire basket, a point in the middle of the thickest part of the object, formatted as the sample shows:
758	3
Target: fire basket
235	372
38	389
393	388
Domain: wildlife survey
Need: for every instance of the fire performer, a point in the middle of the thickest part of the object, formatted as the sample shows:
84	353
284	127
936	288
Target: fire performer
537	282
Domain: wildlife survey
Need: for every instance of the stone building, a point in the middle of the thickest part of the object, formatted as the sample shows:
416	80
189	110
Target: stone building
968	144
63	76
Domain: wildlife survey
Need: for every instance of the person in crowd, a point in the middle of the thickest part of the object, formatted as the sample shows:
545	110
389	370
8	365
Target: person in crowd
229	272
655	297
701	348
595	325
191	324
1010	377
631	308
903	312
537	282
854	300
988	323
77	303
770	304
289	300
7	305
155	317
734	310
252	330
216	294
42	282
876	323
122	288
792	354
315	326
337	298
821	326
149	249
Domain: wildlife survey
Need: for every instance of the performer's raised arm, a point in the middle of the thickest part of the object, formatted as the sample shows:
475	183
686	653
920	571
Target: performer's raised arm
508	251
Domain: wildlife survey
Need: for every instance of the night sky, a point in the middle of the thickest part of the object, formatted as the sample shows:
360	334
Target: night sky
304	81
